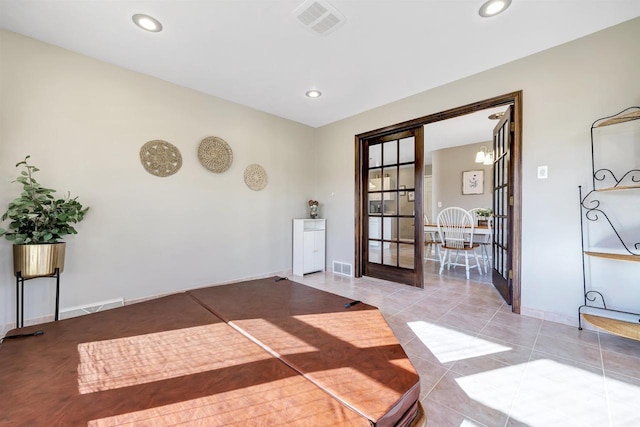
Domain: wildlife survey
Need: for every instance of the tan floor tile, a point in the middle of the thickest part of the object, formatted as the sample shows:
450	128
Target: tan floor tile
482	300
401	330
620	345
429	313
510	334
623	394
569	333
462	321
474	398
558	392
481	312
511	354
439	415
581	353
621	364
513	319
513	422
430	374
443	345
477	365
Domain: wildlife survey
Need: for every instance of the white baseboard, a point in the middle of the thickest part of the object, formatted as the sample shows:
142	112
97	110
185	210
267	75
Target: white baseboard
228	282
35	321
555	317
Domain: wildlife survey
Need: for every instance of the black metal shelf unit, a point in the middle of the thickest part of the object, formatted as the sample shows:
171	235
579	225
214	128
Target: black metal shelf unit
591	209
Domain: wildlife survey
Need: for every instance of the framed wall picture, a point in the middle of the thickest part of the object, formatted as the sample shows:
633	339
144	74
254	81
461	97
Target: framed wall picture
473	182
402	190
411	196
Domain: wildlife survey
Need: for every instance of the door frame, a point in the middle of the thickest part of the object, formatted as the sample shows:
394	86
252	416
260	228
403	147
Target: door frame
515	238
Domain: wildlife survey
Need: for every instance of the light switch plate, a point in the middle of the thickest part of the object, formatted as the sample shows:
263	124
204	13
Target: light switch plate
543	172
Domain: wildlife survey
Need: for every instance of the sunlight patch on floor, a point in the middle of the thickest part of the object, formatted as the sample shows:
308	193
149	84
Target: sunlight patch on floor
449	345
469	423
551	393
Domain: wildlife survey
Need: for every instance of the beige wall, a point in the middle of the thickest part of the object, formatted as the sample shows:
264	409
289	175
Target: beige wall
83	123
564	90
448	165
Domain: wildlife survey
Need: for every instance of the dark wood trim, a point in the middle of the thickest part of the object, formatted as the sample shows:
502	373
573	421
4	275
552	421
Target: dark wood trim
516	159
399	275
359	201
418	208
514	98
448	114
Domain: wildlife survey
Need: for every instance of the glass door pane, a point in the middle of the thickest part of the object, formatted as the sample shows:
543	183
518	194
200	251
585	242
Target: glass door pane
390	195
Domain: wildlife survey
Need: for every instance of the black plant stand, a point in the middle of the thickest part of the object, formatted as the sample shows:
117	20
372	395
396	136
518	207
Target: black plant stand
20	295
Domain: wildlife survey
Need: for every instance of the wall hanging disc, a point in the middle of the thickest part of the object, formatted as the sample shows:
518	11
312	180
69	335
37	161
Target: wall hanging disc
215	154
255	177
160	158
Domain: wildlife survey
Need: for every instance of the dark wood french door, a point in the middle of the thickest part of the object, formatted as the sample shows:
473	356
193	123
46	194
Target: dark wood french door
508	207
392	194
503	201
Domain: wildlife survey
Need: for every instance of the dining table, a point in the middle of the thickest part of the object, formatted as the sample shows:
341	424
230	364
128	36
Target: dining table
478	229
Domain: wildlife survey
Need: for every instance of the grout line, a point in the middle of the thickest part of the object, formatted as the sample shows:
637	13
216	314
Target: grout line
604	381
524	375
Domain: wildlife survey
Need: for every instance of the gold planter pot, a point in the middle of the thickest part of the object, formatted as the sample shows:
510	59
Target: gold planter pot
38	260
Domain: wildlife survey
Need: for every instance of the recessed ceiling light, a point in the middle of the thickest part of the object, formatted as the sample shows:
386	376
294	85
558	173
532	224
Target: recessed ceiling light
313	94
147	22
493	7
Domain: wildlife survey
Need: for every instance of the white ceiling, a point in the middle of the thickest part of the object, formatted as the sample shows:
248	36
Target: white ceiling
254	52
462	130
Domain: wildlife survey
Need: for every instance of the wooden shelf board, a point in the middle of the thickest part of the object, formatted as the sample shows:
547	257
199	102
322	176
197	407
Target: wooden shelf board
620	257
622	187
634	115
618	327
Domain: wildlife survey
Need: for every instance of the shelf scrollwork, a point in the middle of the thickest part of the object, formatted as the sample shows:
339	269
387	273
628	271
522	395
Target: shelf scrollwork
592	296
631	178
594	213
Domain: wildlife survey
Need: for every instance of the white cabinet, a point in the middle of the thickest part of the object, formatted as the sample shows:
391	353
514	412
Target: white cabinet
308	246
379	184
375	230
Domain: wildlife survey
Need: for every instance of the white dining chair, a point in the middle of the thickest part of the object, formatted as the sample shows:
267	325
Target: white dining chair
484	240
455	226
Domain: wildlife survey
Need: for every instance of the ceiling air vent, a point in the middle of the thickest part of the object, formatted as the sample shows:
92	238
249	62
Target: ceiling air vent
319	17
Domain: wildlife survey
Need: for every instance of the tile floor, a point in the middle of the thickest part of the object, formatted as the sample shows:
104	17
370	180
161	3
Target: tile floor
481	365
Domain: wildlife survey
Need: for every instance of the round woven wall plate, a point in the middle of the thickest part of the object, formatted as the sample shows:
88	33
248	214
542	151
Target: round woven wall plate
255	177
160	158
215	154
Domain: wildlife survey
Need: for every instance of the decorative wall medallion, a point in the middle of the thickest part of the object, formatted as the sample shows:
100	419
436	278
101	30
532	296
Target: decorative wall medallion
215	154
160	158
255	177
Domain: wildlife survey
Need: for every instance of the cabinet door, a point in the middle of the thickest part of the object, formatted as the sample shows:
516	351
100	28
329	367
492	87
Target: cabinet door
308	245
318	254
313	243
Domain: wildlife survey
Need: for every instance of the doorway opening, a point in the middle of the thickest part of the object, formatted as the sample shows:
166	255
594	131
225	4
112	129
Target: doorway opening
506	193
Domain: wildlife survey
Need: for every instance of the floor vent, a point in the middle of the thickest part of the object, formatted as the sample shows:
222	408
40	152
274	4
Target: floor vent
342	268
92	308
319	17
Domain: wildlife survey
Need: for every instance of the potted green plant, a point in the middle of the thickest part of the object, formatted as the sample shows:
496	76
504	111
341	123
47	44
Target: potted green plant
38	222
483	216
